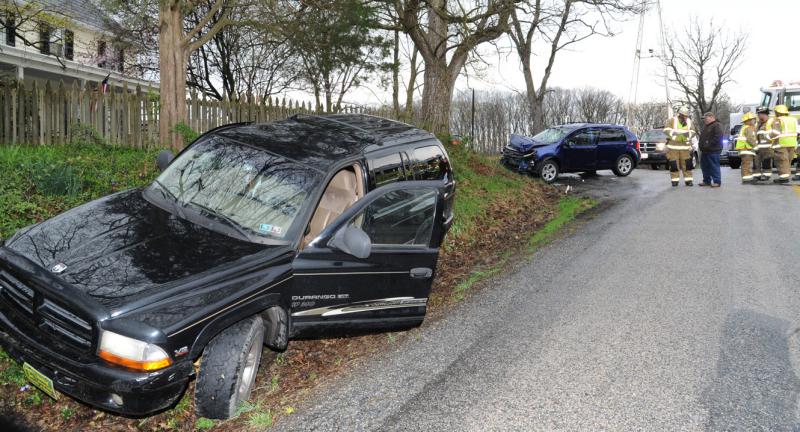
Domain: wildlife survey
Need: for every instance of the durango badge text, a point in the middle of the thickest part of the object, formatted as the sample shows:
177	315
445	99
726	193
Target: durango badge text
253	235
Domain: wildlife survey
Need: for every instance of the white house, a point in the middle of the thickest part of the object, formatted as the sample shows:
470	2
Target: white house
69	40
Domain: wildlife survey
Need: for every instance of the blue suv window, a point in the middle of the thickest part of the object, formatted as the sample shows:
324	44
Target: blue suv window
612	135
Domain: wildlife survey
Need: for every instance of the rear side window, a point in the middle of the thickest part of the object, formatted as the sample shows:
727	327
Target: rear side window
386	169
612	135
429	163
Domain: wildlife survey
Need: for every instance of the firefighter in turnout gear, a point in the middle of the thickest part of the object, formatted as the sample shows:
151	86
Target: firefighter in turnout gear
764	153
679	147
746	145
784	136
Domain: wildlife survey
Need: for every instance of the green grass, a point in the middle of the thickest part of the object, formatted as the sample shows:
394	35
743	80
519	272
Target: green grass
203	424
41	181
261	419
568	209
474	186
10	371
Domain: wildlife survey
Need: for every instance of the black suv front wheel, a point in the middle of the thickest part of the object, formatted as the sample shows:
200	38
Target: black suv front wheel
228	369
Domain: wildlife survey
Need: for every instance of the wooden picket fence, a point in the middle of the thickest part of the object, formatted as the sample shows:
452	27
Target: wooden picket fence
57	114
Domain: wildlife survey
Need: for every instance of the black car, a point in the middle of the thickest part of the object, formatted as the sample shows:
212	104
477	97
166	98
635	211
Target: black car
253	235
653	146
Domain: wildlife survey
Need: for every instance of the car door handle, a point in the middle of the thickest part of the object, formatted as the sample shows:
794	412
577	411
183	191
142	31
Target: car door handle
421	273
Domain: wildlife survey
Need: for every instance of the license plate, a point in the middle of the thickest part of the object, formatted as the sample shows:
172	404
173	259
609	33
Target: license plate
39	379
645	155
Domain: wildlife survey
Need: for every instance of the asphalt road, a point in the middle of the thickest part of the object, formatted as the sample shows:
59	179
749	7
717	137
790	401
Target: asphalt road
674	309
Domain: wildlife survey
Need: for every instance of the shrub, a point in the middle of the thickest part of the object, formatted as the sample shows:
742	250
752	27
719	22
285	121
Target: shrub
85	134
186	131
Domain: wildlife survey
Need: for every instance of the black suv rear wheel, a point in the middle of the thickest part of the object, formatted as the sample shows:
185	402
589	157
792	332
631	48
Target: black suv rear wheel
228	369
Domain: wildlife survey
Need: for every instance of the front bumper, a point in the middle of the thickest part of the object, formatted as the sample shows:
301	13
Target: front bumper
649	158
524	164
95	382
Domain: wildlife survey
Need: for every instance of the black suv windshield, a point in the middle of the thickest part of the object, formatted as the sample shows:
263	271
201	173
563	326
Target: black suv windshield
551	135
252	191
654	135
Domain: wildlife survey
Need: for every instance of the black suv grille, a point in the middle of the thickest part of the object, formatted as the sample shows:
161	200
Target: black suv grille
649	147
43	313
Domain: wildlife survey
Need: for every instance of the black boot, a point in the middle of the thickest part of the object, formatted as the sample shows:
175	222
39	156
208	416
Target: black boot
674	183
689	183
781	181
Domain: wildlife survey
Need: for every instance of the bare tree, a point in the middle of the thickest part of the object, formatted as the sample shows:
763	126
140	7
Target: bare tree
701	62
559	23
646	116
597	106
248	58
446	32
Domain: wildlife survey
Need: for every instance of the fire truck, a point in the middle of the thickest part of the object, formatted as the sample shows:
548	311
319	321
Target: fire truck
776	93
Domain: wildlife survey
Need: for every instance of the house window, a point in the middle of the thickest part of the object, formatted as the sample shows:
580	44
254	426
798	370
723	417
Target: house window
101	54
119	59
11	29
44	38
69	44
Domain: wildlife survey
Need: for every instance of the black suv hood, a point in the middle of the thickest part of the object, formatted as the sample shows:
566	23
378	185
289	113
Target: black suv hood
121	246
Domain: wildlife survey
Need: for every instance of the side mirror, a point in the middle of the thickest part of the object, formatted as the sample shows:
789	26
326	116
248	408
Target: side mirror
163	159
352	241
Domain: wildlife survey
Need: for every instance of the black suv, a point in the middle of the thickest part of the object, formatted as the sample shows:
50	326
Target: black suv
251	236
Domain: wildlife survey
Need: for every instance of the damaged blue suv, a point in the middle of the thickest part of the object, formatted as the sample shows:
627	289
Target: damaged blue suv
575	147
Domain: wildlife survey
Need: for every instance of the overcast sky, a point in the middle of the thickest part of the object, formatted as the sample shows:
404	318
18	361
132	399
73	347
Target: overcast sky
607	62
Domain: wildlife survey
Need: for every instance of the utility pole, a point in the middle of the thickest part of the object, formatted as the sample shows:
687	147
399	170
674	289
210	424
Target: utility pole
637	57
664	59
472	127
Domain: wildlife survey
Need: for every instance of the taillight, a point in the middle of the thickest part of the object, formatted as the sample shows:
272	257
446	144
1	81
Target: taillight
637	146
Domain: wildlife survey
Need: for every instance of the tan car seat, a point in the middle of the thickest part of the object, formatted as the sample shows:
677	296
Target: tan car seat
342	192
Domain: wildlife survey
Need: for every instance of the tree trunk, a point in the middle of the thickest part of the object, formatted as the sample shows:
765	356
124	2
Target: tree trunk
437	97
172	65
412	82
396	75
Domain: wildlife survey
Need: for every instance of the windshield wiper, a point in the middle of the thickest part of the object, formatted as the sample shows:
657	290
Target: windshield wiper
169	196
223	217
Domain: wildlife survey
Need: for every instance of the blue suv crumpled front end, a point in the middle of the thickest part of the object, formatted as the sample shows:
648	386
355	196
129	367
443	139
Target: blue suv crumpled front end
520	154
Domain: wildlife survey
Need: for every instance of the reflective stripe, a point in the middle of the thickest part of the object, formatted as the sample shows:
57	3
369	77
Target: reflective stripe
763	146
688	179
678	147
776	146
784	176
747	152
747	177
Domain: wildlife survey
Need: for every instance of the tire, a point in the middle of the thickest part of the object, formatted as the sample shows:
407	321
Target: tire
736	164
623	166
228	369
548	171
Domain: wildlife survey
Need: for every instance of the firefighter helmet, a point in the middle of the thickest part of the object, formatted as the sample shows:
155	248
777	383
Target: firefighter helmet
747	117
782	109
762	110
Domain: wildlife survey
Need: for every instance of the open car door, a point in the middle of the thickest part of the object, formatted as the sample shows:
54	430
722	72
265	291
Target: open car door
372	267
